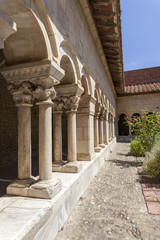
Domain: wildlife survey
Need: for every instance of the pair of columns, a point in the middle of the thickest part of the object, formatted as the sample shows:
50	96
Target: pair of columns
100	131
67	102
39	87
71	133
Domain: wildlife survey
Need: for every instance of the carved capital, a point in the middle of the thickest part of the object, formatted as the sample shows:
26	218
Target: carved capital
98	107
66	103
42	94
22	93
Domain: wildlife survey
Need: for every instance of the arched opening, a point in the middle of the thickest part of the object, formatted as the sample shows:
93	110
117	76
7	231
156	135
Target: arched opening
136	115
66	65
123	128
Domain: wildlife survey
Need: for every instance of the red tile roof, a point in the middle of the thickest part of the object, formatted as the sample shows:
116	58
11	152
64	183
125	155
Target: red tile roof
142	81
142	88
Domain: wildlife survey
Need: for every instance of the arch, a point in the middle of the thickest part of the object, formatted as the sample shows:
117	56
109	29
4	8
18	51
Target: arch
30	42
96	95
49	27
68	50
123	128
67	66
87	76
136	115
85	85
98	91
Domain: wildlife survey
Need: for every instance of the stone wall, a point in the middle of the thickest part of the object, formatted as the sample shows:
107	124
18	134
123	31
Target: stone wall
136	104
70	24
8	124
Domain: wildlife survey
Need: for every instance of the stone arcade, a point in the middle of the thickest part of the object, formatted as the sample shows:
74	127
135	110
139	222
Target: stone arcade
57	106
61	71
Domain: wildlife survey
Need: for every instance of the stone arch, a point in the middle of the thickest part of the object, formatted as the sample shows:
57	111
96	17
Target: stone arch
67	66
67	49
98	92
87	76
49	27
96	95
85	85
30	43
136	115
123	128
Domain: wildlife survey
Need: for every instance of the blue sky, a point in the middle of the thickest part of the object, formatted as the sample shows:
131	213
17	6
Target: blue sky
140	33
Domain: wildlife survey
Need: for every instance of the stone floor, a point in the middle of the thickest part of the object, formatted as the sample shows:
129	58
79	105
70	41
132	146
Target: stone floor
113	207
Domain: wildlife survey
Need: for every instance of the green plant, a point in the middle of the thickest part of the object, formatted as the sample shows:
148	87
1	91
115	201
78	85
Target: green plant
145	128
136	148
151	166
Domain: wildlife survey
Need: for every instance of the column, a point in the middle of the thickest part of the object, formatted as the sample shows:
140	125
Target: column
57	136
45	140
96	133
113	127
101	132
72	138
24	141
105	131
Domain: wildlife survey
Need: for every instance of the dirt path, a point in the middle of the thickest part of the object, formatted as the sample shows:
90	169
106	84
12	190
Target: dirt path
113	206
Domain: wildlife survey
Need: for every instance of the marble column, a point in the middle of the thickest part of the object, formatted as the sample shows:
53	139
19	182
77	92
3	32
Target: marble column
72	138
45	140
101	141
57	136
24	141
96	133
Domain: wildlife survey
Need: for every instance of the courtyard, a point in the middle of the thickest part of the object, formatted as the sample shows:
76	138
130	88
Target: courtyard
113	207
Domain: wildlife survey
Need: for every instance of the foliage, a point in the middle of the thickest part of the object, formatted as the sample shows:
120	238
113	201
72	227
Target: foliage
146	128
151	166
136	148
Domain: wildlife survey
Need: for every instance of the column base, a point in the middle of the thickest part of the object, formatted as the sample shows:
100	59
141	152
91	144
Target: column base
85	156
35	188
70	167
45	188
105	142
102	145
97	149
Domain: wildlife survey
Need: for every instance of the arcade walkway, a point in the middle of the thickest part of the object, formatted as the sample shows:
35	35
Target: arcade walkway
113	207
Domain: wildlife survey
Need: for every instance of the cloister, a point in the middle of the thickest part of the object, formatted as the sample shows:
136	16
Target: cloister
61	101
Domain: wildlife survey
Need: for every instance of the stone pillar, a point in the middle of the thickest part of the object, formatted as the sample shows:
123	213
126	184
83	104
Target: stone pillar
57	136
113	127
85	128
96	133
101	141
24	141
72	138
105	129
45	140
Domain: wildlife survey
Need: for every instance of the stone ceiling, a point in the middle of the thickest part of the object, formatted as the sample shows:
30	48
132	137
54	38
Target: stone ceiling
107	17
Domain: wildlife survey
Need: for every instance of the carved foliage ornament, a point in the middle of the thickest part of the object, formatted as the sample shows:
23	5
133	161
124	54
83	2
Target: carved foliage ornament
66	103
27	92
22	93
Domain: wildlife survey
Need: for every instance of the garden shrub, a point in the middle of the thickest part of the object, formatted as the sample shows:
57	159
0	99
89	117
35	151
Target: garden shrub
136	148
151	166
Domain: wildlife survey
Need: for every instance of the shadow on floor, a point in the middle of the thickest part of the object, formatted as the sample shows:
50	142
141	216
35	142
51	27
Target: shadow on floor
126	164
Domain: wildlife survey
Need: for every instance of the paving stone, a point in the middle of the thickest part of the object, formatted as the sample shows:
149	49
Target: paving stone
153	207
113	207
150	196
158	195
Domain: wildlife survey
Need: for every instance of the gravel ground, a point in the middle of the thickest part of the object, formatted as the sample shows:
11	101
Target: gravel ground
113	206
